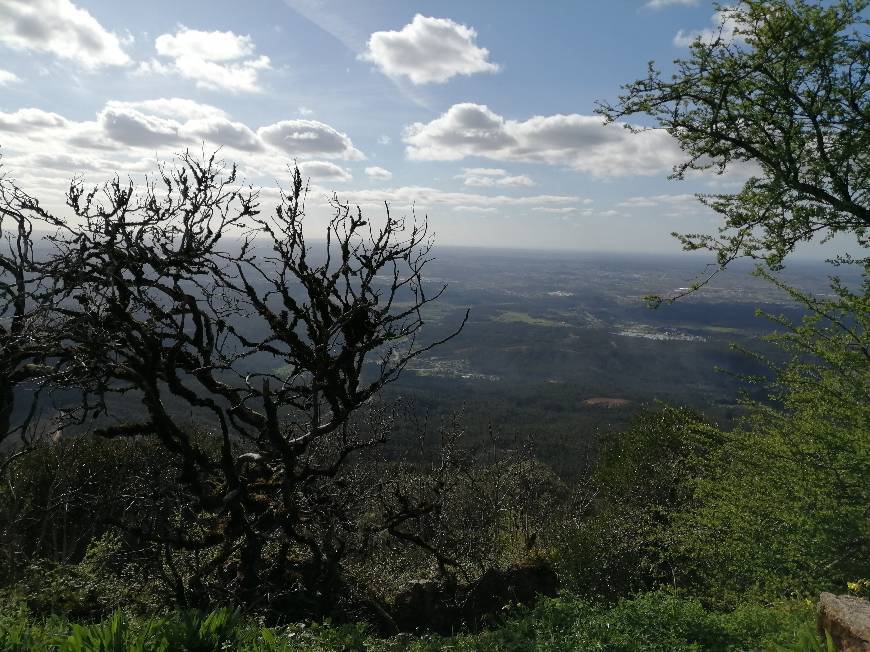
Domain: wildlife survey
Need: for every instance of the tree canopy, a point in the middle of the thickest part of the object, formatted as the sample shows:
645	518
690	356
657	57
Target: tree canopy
781	90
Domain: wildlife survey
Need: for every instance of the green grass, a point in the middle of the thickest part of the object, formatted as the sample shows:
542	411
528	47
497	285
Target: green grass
656	621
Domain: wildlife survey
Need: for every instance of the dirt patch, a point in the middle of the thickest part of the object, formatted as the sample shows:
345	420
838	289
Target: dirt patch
602	401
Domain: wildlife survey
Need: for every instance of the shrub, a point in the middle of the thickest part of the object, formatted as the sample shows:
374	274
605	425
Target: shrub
620	545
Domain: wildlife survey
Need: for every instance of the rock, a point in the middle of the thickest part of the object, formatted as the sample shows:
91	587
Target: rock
847	620
430	605
518	584
425	605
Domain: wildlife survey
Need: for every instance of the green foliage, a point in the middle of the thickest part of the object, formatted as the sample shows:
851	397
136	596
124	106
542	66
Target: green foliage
644	477
63	501
775	508
860	588
652	461
115	635
784	87
195	631
808	641
188	631
656	621
16	633
105	578
782	506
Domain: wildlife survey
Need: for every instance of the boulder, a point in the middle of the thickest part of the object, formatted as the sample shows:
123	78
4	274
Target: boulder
425	605
444	607
847	619
521	584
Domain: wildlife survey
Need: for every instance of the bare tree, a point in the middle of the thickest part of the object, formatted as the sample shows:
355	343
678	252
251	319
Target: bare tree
279	347
31	348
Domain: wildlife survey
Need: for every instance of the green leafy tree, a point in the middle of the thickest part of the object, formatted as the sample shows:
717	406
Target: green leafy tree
782	507
645	476
782	89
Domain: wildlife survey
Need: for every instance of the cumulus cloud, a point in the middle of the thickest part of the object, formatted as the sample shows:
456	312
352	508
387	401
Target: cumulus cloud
24	120
580	142
211	46
378	173
309	137
7	77
214	60
724	28
428	50
488	177
173	121
59	28
324	170
659	4
126	132
223	131
45	149
130	127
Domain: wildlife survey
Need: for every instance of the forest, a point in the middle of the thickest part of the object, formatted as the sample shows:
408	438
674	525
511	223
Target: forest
217	433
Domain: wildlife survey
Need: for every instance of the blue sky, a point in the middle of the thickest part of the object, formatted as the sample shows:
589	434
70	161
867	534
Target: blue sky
480	114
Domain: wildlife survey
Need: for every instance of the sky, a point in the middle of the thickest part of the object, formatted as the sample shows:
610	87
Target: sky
479	115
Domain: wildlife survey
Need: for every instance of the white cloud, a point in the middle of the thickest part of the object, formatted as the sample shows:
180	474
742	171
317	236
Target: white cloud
154	67
488	177
214	60
44	150
69	164
131	127
424	197
222	131
680	206
383	139
580	142
126	136
172	107
560	210
211	46
378	173
659	4
428	50
60	28
25	120
168	121
474	209
724	29
304	111
309	138
485	172
324	170
7	77
659	200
